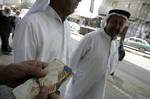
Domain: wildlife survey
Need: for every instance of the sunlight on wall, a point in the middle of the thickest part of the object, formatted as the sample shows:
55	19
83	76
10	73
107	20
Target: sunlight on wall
84	8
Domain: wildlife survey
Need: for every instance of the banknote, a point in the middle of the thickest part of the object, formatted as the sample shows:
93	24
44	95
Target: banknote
58	73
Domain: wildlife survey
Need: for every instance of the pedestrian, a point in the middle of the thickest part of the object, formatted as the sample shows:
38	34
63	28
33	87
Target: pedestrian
15	20
90	61
44	33
5	28
17	17
15	74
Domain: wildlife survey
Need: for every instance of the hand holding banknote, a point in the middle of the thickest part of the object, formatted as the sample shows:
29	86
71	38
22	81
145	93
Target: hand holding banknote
58	73
16	74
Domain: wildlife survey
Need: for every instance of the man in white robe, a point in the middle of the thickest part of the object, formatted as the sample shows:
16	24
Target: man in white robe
44	34
90	62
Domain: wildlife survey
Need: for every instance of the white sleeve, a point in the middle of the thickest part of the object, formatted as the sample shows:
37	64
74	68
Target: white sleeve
82	80
81	51
24	43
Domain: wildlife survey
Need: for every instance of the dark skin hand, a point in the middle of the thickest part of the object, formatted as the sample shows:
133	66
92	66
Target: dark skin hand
16	74
43	94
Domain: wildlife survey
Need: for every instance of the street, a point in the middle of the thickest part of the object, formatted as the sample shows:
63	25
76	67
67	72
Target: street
131	79
134	74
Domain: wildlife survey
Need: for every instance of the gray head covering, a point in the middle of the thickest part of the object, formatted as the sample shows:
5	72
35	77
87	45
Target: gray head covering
38	6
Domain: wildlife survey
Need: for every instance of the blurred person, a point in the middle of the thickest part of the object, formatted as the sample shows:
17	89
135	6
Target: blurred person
18	18
13	10
93	60
1	6
14	21
13	18
5	28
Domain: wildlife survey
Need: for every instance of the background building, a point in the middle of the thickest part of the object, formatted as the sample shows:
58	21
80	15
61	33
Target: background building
15	2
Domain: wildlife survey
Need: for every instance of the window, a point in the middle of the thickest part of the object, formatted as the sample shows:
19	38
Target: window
132	39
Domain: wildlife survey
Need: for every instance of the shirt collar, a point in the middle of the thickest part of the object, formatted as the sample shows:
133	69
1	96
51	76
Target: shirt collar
53	13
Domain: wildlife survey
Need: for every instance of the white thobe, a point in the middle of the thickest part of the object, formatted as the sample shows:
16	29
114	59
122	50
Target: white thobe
89	63
113	61
42	36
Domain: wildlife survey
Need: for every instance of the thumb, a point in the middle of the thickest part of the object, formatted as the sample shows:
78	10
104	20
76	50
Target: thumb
43	94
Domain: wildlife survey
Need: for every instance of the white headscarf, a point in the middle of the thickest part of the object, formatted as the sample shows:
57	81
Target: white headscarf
104	22
38	6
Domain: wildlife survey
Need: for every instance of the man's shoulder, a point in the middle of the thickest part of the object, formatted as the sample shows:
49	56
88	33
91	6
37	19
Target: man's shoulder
32	18
35	17
94	33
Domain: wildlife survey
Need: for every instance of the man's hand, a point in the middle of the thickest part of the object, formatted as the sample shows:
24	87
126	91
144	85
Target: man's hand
16	74
43	94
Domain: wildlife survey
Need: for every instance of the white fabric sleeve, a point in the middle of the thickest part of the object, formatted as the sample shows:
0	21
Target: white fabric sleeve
81	81
81	51
24	43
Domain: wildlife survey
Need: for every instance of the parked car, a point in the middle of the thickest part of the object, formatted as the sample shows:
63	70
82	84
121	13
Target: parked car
138	43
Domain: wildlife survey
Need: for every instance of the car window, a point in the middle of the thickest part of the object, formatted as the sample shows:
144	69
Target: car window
132	39
143	42
139	41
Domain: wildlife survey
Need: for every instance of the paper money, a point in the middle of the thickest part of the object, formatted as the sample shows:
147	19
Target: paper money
58	73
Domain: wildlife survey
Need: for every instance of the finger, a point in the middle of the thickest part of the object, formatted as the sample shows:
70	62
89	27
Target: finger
37	63
41	64
53	96
35	69
43	94
39	72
